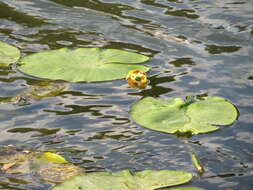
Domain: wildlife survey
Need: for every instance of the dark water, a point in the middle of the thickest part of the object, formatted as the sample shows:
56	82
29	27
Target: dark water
89	123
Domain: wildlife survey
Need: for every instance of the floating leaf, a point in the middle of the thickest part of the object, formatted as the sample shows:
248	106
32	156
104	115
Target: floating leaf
124	180
82	64
174	115
8	54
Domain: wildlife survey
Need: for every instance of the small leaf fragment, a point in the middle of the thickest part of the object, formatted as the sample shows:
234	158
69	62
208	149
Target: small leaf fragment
52	157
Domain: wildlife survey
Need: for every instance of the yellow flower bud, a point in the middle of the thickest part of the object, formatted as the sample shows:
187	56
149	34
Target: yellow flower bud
137	79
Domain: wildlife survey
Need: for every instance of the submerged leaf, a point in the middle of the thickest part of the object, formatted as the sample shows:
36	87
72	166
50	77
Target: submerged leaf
82	64
54	168
15	160
49	166
57	173
173	115
8	54
37	93
125	180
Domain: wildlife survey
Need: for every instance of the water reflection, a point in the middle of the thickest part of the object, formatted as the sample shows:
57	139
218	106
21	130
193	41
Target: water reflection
183	13
213	49
11	14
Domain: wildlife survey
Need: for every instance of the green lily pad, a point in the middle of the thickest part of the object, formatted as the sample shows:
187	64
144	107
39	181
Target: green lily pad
173	115
125	180
82	64
8	54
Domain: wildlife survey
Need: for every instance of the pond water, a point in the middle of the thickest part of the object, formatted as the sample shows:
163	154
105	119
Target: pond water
89	123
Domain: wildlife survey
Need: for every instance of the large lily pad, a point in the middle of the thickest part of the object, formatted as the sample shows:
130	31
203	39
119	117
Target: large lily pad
8	54
124	180
173	115
82	64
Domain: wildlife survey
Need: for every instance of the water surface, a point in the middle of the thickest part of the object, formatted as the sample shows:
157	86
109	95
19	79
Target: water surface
89	123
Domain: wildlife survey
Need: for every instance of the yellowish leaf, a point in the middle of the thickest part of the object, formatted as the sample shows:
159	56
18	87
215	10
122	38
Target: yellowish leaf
52	157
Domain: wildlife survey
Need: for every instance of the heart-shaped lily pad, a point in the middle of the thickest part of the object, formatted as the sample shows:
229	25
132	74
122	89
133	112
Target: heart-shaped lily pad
8	54
82	64
174	115
125	180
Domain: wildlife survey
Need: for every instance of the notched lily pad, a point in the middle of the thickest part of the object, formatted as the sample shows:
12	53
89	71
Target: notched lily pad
82	64
8	54
125	180
173	115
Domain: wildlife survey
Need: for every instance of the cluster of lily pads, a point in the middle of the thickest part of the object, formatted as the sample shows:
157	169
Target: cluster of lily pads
172	115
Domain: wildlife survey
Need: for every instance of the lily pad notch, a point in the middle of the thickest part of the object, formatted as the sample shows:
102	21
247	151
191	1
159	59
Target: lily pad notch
174	115
82	64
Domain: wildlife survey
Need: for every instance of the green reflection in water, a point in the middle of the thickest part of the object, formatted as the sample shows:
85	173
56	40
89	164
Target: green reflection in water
214	49
19	17
114	8
182	61
183	13
42	131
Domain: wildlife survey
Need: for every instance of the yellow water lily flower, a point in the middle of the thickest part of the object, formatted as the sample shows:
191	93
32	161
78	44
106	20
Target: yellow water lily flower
137	79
